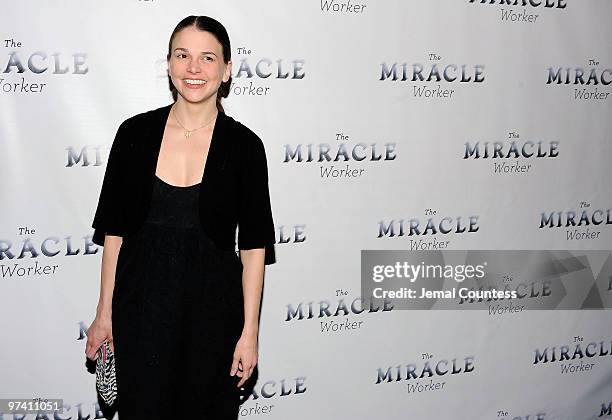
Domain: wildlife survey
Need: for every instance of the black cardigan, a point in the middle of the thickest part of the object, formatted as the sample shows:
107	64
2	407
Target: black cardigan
234	189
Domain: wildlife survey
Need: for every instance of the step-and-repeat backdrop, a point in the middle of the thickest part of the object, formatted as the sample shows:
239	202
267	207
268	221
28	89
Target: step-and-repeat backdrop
377	116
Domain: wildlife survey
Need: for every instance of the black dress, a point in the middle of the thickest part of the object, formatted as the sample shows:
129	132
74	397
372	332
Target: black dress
177	314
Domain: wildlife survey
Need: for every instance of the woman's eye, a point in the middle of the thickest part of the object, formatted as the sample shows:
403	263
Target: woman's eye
181	56
207	58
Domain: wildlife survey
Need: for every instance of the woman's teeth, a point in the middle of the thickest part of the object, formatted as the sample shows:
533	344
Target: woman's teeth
194	82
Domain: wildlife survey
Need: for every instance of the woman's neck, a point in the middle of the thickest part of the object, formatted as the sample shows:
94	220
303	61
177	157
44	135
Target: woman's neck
195	114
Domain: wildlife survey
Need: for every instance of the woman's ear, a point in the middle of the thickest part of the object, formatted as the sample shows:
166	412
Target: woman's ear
228	71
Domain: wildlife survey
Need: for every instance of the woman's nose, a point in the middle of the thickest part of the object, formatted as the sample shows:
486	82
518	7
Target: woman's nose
194	66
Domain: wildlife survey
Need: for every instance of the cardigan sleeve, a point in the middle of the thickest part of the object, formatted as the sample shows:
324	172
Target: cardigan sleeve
109	217
255	224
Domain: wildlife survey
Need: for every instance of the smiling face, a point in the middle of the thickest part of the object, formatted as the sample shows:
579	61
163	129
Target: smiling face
196	65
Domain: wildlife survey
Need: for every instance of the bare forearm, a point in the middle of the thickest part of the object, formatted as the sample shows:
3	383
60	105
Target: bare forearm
112	244
252	284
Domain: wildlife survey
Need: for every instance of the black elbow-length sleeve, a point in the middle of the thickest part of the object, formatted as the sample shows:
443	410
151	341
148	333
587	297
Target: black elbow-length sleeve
110	217
255	224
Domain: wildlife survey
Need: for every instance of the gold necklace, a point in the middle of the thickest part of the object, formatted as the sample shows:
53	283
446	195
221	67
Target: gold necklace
188	132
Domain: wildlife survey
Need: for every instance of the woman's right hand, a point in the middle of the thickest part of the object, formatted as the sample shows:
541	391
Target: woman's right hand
100	331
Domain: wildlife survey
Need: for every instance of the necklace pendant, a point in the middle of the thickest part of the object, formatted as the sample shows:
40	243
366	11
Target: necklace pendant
187	134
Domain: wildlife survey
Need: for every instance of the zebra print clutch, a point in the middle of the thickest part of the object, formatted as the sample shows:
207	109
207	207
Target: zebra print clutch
106	382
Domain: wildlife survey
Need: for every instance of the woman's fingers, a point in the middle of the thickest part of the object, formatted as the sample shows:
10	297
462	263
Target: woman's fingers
243	365
234	367
92	352
96	335
248	368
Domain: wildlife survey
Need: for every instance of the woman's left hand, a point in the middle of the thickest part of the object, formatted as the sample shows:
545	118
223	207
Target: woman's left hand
245	358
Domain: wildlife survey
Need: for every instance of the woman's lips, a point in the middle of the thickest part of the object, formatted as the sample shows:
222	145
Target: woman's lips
194	85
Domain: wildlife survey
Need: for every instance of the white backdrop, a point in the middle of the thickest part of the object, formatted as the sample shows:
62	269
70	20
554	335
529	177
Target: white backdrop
73	70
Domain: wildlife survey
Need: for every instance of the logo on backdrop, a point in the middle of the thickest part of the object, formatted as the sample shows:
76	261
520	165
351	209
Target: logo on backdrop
525	292
290	234
514	156
589	83
255	75
430	373
87	156
337	315
522	13
21	257
346	158
582	224
606	409
578	357
342	7
509	415
434	79
265	393
25	71
432	225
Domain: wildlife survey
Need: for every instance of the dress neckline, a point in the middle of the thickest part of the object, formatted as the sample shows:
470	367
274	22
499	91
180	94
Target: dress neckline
165	117
177	186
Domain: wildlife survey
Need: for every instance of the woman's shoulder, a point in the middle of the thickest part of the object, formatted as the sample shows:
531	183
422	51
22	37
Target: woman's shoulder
244	136
147	117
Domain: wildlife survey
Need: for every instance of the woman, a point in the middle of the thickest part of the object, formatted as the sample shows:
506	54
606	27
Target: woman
177	305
